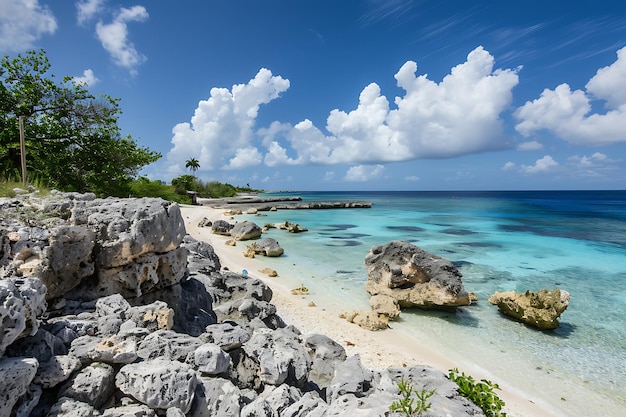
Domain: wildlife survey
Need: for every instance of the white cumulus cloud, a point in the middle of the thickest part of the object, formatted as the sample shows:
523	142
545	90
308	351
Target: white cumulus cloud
220	134
509	166
541	165
114	38
568	114
532	145
88	78
88	9
362	173
23	22
458	116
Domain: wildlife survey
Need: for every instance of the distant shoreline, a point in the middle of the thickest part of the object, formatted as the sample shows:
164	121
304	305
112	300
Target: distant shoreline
246	202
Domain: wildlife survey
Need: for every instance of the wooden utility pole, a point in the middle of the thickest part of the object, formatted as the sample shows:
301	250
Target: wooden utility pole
22	148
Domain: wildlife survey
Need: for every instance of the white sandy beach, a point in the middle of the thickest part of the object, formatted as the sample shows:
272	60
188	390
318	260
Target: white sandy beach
377	350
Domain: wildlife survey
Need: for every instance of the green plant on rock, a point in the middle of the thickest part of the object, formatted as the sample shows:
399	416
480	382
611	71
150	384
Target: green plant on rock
482	393
412	403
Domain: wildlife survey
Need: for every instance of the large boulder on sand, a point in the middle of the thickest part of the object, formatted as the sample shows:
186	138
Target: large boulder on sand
414	277
245	230
539	309
221	227
268	247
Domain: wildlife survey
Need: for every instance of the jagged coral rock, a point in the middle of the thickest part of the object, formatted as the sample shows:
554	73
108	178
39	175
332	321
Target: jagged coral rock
539	309
22	302
414	277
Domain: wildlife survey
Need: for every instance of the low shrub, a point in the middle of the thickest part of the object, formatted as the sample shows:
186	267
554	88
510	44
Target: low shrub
412	403
482	393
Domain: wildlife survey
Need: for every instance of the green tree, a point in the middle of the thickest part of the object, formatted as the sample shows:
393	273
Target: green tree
73	141
193	165
184	183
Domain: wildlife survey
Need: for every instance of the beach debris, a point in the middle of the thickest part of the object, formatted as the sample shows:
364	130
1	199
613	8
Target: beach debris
369	320
232	212
301	290
540	309
269	272
230	242
414	277
312	304
472	297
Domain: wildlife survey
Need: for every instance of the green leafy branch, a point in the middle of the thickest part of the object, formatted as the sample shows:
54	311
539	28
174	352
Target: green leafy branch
482	393
412	402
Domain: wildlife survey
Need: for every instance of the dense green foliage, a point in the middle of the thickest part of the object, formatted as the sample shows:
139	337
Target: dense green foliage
412	402
144	187
480	393
73	141
213	189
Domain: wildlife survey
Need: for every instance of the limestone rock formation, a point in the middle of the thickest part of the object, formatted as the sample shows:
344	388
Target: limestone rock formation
268	247
539	309
326	355
385	305
66	259
414	277
269	272
221	227
93	385
291	227
369	320
22	302
158	328
16	375
245	230
159	383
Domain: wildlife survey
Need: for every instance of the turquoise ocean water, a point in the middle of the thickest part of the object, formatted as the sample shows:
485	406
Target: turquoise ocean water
500	241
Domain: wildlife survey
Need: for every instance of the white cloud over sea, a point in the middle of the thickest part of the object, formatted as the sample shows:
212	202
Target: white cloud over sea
569	114
458	116
462	114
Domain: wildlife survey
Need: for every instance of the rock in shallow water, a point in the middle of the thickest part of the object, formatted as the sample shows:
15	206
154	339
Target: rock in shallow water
414	277
539	309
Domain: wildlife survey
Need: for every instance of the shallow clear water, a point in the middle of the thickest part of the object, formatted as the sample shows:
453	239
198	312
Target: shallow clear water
501	241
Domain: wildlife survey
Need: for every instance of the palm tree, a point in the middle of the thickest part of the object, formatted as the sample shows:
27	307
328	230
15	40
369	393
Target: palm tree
193	165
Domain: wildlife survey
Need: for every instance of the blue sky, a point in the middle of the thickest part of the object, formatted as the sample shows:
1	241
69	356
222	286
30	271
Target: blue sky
353	95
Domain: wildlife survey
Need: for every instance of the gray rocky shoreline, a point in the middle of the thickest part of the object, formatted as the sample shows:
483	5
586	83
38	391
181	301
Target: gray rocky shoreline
108	307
